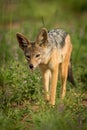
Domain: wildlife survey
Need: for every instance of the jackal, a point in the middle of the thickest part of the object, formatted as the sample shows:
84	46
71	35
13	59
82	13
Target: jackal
51	51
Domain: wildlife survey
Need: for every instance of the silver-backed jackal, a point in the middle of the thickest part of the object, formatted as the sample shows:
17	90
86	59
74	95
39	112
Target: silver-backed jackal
51	51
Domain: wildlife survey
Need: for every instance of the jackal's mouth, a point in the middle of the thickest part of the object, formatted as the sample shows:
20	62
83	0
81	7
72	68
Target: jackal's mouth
32	67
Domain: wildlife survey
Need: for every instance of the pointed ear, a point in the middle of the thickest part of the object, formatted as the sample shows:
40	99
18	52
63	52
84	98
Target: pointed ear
23	41
42	37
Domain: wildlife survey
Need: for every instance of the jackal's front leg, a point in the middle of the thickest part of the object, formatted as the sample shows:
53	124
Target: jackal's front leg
46	78
53	85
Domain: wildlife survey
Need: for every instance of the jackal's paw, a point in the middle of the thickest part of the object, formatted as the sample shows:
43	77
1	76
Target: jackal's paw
47	98
52	103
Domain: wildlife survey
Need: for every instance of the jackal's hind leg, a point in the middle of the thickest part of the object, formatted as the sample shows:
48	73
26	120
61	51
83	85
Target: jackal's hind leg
64	74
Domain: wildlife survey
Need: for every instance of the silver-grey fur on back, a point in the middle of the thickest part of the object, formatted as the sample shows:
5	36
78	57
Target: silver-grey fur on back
57	37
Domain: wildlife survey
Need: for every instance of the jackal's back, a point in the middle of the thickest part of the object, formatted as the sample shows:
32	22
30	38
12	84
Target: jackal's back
56	37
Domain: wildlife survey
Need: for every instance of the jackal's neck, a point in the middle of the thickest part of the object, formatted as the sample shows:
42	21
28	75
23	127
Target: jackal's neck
46	56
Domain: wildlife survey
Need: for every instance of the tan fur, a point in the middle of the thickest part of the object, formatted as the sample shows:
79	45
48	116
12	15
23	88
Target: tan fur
64	66
51	62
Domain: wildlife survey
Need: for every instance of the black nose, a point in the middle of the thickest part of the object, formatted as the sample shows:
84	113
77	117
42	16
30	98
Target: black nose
31	66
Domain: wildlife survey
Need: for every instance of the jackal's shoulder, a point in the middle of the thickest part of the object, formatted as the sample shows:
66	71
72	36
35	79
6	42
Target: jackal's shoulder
56	37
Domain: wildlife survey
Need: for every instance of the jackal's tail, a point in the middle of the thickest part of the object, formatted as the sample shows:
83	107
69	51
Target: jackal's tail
70	75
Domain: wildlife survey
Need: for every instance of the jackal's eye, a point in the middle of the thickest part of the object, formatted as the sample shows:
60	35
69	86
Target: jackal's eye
38	55
28	57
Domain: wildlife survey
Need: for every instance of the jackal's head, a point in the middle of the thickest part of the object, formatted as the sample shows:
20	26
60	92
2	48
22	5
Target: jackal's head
34	51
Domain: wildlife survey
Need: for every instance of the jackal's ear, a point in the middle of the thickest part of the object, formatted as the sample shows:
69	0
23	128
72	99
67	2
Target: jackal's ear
23	41
42	37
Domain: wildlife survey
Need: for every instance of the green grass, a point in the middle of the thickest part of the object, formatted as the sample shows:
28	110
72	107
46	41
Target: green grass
22	104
